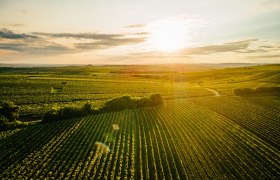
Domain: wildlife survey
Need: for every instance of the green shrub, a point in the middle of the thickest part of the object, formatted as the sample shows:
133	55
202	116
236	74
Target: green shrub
69	112
6	125
9	110
144	102
87	108
119	103
50	116
3	120
115	104
128	102
156	99
257	91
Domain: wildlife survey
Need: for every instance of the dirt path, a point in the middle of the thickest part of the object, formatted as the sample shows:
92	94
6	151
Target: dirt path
213	91
216	93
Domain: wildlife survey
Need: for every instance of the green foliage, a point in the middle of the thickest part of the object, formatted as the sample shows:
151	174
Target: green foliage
87	107
50	116
9	113
3	120
128	102
144	102
119	103
156	99
6	125
9	110
62	113
55	90
257	91
115	104
68	112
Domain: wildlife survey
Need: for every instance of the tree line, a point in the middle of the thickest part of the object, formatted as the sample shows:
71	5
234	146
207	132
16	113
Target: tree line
115	104
9	113
257	91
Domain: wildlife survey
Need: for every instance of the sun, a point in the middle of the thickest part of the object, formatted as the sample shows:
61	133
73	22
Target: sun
168	38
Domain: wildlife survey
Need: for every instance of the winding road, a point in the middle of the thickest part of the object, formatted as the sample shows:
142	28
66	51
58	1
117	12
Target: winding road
216	93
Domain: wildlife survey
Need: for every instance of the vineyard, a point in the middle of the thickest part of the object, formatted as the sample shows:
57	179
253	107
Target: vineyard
197	138
35	94
37	90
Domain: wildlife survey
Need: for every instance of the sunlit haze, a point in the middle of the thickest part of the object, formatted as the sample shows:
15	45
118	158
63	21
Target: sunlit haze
139	32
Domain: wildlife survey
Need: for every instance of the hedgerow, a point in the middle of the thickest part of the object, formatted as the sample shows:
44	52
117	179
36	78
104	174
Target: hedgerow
115	104
257	91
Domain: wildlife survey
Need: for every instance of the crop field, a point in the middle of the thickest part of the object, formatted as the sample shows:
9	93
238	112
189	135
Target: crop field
37	90
139	90
181	139
202	131
35	95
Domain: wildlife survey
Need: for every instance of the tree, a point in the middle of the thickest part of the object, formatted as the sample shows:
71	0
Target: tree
3	120
119	103
50	116
156	99
9	110
87	108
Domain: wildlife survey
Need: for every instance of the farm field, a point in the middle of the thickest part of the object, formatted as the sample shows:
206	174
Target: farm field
202	131
140	90
37	90
179	140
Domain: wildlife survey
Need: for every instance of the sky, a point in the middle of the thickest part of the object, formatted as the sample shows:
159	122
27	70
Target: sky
139	32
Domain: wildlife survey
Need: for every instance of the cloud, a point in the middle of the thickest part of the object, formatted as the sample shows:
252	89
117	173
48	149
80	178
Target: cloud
29	44
265	56
226	47
47	43
16	25
141	33
271	3
94	36
106	43
249	46
98	41
36	48
8	34
135	26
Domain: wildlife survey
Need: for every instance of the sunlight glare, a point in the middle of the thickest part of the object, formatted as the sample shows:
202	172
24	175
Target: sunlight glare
168	38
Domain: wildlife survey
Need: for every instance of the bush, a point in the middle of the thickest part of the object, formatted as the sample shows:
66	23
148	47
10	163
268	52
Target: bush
69	112
87	108
3	120
50	116
156	99
115	104
128	102
244	92
6	125
257	91
268	90
9	110
119	103
144	102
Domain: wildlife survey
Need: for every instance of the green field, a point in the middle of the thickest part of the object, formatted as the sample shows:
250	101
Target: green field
203	131
181	139
37	90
